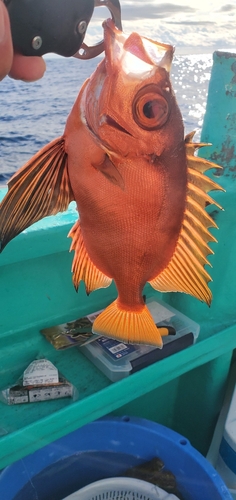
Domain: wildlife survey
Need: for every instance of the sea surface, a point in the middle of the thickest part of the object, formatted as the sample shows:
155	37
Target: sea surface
32	114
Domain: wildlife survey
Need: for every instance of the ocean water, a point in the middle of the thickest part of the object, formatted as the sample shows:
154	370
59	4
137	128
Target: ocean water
33	114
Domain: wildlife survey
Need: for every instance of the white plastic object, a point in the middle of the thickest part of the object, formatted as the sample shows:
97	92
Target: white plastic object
121	488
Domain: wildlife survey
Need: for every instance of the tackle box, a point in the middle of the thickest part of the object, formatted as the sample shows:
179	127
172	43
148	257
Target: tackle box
118	360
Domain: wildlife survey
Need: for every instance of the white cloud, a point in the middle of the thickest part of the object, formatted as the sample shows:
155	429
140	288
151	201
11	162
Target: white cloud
189	25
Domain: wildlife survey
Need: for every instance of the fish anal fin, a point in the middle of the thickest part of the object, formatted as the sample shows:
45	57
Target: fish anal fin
82	267
135	327
40	188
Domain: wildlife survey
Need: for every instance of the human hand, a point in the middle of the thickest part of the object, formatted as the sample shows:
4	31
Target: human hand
12	64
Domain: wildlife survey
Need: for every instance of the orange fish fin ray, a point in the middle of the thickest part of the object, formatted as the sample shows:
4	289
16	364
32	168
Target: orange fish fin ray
201	196
135	327
185	271
181	276
198	213
200	164
83	268
203	182
196	162
194	146
40	188
198	238
198	251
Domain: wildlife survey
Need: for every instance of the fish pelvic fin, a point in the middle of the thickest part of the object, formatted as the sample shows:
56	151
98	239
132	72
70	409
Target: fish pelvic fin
134	327
40	188
185	271
83	268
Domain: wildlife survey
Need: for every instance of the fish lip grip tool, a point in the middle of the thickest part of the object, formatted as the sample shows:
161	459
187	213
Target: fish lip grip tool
59	26
86	52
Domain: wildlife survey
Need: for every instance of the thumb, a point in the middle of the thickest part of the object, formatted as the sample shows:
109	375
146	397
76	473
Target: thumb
6	49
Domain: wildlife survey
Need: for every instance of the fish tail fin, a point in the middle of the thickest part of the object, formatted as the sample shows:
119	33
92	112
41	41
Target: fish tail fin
135	327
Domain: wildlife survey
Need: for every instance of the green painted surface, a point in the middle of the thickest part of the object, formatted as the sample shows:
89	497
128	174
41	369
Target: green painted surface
184	391
30	427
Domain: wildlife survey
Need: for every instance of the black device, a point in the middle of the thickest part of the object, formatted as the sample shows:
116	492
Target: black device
59	26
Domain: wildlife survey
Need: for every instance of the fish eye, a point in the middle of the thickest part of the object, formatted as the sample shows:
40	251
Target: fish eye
150	108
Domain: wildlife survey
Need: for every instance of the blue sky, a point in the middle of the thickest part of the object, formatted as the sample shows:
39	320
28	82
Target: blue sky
192	26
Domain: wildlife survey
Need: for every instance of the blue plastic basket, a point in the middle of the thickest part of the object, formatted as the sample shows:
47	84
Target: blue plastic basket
107	448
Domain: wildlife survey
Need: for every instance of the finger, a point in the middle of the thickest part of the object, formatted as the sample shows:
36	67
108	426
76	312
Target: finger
6	50
27	68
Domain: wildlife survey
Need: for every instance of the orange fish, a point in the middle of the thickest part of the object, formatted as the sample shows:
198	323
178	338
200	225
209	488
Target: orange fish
140	190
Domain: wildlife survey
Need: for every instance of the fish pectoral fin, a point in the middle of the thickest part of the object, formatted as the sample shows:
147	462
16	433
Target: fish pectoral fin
40	188
110	171
135	327
82	267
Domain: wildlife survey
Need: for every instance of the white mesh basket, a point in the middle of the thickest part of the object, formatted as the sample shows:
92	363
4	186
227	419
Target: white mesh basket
121	488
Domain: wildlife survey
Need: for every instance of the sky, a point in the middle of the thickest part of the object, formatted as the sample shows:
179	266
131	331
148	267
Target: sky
192	26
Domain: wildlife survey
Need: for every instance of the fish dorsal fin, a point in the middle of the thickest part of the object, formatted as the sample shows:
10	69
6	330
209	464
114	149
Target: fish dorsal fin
185	271
83	268
40	188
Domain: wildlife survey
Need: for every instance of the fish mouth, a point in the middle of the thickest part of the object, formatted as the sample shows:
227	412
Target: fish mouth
112	123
